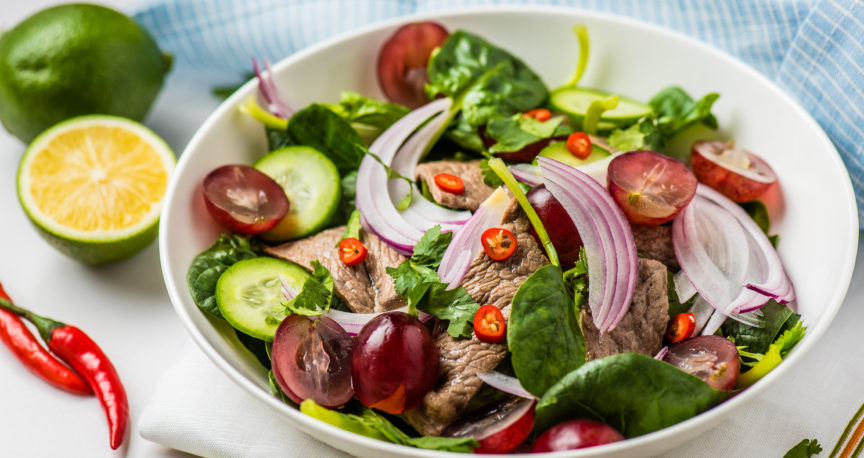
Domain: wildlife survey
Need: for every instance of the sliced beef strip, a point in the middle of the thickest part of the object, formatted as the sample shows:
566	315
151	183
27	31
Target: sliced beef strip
655	242
488	282
366	287
642	328
476	191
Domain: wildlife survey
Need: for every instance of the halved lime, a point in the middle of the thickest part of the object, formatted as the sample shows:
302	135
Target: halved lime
93	186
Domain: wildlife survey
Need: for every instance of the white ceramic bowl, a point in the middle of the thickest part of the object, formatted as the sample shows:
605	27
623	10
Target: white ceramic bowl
627	57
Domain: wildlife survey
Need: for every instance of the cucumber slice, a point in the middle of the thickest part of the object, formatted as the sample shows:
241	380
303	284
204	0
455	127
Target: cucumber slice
560	153
311	182
575	101
249	290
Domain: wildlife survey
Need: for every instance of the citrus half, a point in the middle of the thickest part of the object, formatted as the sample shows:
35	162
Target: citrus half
93	186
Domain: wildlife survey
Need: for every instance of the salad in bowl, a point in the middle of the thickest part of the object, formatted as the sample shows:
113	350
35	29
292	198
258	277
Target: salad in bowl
473	260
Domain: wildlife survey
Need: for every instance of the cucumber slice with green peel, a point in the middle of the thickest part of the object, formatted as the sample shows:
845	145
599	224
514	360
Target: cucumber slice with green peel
575	101
311	182
250	290
560	153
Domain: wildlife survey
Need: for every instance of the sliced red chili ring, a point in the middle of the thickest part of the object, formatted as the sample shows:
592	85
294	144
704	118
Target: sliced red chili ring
450	183
489	324
579	144
352	251
540	114
680	327
498	243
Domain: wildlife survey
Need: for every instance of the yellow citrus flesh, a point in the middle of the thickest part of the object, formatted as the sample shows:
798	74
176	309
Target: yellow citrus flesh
95	179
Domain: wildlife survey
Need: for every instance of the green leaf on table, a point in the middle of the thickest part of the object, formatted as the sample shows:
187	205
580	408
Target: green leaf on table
209	265
633	393
804	449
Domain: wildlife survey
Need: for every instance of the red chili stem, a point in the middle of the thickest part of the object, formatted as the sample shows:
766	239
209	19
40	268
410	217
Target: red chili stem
78	350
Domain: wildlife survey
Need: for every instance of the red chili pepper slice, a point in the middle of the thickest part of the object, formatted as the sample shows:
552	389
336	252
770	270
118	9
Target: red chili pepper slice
579	144
681	327
352	251
498	243
540	114
450	183
28	350
489	324
78	350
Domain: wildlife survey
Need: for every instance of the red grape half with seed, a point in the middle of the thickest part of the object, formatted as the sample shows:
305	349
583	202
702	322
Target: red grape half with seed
651	188
736	173
244	200
403	58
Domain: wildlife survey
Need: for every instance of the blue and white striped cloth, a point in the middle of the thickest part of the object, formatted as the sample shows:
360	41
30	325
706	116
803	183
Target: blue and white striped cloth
812	48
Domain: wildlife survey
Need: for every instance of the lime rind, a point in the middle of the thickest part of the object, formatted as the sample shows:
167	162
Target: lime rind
96	247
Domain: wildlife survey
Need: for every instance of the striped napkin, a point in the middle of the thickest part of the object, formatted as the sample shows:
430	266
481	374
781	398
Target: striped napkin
814	49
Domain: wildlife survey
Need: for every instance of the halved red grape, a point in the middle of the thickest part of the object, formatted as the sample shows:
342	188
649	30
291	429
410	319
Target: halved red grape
403	58
395	362
736	173
243	199
651	188
312	360
499	428
711	358
558	225
576	434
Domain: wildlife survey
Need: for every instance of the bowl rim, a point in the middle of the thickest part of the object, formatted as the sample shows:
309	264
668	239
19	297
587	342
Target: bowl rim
301	421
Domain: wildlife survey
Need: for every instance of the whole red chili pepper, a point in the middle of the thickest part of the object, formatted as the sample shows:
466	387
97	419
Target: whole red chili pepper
78	350
28	350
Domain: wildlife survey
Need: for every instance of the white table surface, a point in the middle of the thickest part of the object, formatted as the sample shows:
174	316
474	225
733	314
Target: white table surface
125	308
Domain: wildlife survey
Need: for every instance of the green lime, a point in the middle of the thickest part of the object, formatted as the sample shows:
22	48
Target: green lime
93	186
72	60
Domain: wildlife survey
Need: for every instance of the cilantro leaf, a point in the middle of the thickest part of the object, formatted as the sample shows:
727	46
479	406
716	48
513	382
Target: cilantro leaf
315	298
804	449
576	279
775	354
419	284
489	176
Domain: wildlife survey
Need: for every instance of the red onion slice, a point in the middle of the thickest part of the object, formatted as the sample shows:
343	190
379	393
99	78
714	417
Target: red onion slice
380	215
527	173
662	353
505	383
352	323
287	291
466	242
270	91
607	236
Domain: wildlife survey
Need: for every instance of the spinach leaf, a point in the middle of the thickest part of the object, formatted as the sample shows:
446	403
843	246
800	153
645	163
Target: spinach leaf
512	133
757	210
576	279
347	205
775	354
634	393
209	265
677	111
277	138
419	284
465	135
543	332
775	319
370	424
487	80
356	108
804	449
257	347
319	127
277	391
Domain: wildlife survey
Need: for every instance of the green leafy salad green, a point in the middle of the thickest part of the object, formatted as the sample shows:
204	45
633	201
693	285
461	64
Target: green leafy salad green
500	108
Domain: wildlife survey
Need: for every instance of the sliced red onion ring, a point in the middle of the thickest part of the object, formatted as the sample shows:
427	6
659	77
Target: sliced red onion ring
380	215
422	213
466	242
607	236
775	282
287	291
683	288
505	383
662	353
527	173
713	324
352	323
270	91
